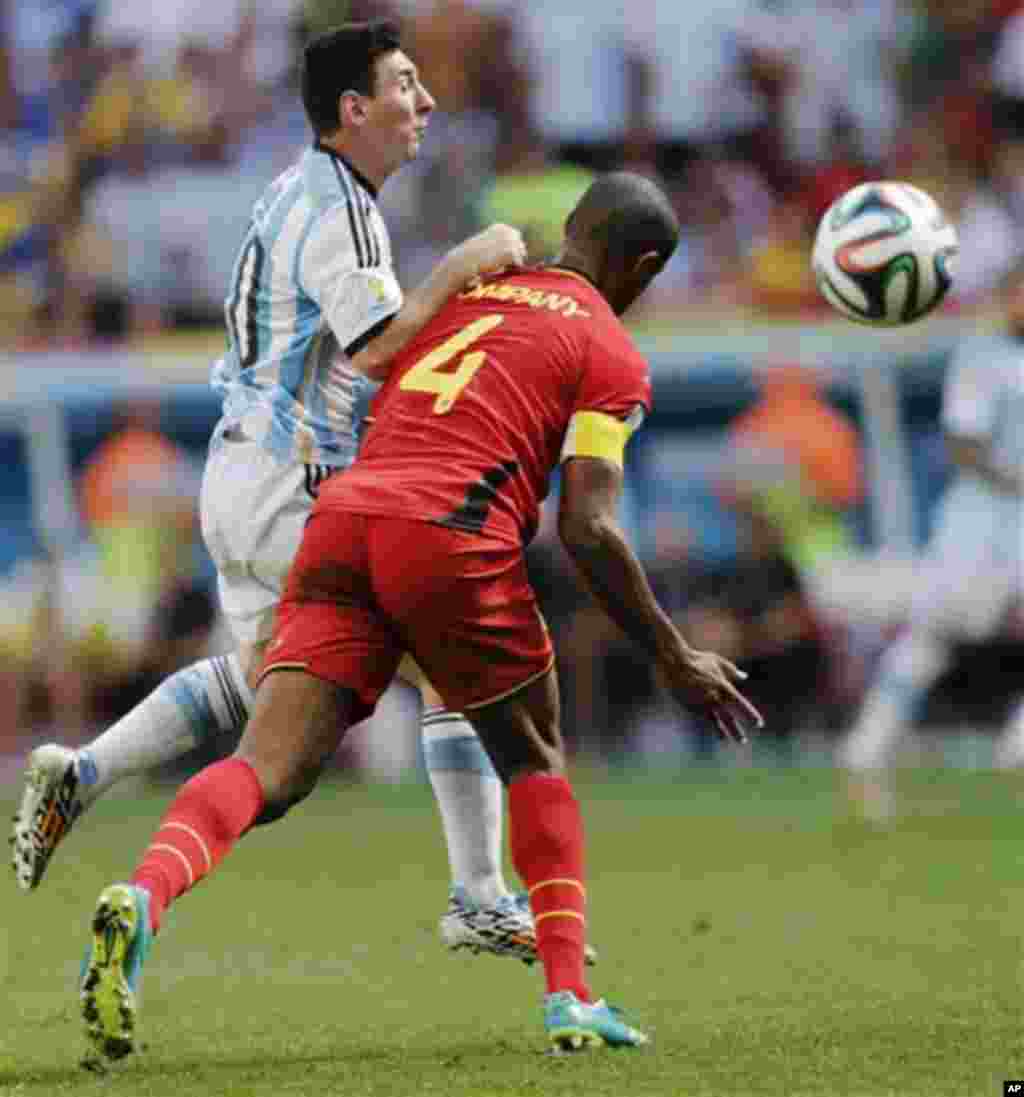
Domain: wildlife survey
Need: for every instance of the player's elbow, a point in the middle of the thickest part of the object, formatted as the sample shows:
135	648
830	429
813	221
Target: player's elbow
583	533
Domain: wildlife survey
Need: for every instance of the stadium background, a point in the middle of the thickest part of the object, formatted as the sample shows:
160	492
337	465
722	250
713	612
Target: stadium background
132	144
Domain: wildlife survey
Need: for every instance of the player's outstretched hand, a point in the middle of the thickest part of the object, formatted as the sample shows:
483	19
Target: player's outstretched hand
706	682
492	249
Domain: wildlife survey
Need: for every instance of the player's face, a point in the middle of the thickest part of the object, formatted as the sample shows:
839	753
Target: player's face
398	110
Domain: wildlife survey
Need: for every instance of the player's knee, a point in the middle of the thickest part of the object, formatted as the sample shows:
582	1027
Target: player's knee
250	659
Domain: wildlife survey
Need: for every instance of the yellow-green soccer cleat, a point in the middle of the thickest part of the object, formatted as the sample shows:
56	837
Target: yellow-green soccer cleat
573	1025
121	938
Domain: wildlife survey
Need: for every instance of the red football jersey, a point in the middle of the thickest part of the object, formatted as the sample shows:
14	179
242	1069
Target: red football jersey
506	380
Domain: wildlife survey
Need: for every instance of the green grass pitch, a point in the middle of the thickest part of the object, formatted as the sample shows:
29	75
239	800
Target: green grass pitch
770	944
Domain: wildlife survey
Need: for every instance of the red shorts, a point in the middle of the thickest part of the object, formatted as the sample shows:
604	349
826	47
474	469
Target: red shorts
365	589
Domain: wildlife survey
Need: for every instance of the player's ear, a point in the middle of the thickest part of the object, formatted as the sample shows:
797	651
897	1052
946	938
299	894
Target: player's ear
351	108
647	266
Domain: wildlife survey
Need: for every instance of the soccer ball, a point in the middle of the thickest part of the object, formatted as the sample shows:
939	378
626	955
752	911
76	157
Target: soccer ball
884	253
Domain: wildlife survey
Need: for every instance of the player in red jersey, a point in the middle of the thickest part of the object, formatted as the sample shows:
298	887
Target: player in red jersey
418	548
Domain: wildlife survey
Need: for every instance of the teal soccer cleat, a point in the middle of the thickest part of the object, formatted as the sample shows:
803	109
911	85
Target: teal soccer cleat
110	972
573	1025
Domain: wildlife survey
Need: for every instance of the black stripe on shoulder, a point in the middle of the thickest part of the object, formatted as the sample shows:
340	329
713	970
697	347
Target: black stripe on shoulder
365	225
350	201
374	239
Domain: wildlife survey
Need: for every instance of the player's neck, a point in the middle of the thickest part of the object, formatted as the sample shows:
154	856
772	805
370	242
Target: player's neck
575	265
356	164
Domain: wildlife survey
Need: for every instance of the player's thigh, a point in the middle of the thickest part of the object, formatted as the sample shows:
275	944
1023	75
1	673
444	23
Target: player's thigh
965	582
410	673
464	607
522	732
252	511
250	658
328	623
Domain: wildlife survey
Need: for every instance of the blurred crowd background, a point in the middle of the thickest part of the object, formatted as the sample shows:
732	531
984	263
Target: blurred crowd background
790	471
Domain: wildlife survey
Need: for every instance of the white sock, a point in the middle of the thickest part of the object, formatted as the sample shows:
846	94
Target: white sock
470	798
909	669
210	697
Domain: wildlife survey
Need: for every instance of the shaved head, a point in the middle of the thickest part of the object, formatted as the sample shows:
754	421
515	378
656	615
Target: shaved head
625	215
622	232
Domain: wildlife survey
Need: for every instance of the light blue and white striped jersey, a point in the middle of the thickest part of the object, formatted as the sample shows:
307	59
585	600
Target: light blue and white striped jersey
983	400
313	278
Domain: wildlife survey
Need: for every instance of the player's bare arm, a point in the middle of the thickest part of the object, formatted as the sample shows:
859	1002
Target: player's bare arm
495	247
589	529
974	456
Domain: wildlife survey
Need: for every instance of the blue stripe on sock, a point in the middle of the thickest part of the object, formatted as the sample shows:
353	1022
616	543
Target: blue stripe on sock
464	754
188	691
88	774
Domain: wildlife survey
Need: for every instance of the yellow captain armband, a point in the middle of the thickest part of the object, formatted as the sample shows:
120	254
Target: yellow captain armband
595	434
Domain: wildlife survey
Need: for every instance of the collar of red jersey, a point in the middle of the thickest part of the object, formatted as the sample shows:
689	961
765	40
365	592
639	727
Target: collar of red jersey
561	268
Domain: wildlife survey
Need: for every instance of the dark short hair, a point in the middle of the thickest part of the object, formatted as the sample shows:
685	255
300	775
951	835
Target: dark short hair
342	60
628	214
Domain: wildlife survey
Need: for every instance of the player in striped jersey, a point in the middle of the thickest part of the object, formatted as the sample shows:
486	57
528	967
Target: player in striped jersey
973	569
313	296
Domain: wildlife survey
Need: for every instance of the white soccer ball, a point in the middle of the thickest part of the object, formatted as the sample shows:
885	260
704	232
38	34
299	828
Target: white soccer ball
884	253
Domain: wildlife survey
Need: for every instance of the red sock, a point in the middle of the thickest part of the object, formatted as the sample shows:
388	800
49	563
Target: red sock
546	839
209	814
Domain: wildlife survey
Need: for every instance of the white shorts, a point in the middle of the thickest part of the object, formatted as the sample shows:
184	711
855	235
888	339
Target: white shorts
253	509
973	568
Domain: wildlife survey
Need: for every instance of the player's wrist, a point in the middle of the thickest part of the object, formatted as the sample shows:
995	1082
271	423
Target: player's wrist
671	649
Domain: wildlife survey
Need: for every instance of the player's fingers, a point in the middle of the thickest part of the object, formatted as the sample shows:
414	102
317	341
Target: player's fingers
754	712
734	670
729	727
517	252
735	698
750	710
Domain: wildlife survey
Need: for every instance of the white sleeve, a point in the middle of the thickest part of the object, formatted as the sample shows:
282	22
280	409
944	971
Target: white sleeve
969	402
354	297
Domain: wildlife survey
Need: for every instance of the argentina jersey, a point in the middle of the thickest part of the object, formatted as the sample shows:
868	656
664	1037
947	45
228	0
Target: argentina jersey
984	401
312	282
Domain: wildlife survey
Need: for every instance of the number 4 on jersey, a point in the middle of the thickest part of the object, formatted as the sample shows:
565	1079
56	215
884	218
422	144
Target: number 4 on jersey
427	376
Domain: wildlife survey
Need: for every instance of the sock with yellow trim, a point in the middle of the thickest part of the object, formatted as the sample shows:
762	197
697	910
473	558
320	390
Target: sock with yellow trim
546	840
209	814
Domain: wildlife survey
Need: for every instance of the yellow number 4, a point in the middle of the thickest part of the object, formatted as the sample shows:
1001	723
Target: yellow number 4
426	375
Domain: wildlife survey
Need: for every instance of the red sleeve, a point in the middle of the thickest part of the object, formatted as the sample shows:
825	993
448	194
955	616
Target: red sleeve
615	379
611	399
